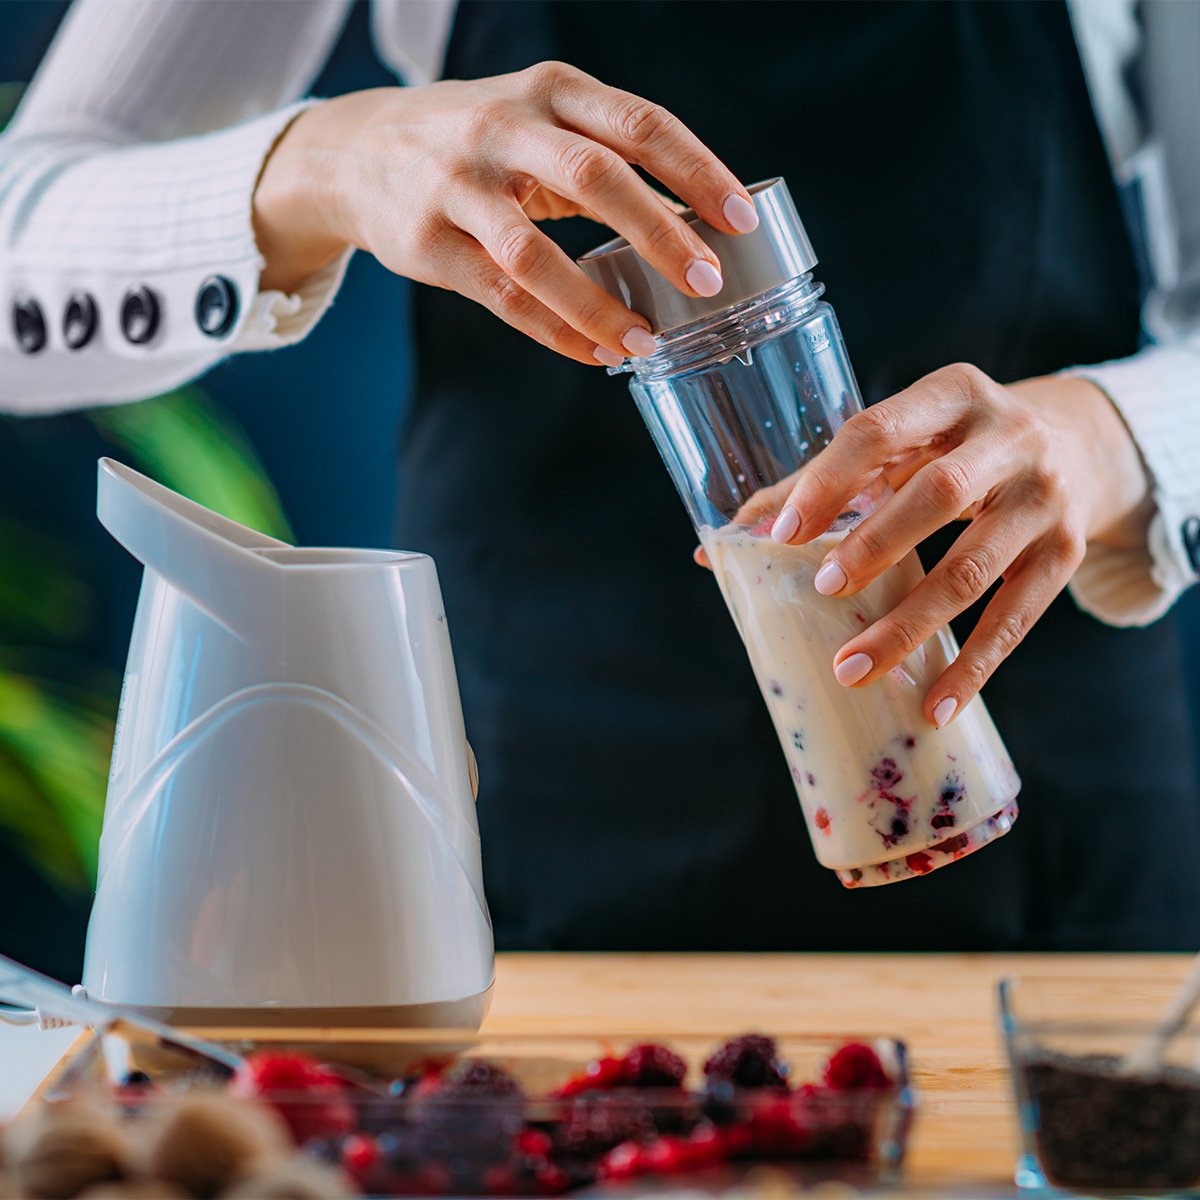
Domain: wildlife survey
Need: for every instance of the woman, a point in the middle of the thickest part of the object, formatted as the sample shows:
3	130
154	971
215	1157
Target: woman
166	202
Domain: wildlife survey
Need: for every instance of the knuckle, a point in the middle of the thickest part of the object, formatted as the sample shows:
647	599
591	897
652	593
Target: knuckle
1045	486
904	632
1068	545
639	121
510	300
864	545
545	77
946	486
586	167
1010	628
965	378
967	576
974	670
874	427
520	252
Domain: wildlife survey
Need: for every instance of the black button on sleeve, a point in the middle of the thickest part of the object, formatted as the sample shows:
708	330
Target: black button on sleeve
29	325
141	313
216	306
1191	541
81	318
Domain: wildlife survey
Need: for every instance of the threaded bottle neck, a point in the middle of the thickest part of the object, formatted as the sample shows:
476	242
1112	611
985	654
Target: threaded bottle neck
730	333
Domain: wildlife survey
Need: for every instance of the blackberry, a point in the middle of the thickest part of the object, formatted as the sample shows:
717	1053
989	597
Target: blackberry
747	1062
653	1066
593	1124
477	1078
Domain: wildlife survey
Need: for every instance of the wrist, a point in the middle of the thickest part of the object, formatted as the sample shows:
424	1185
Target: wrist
297	204
1111	470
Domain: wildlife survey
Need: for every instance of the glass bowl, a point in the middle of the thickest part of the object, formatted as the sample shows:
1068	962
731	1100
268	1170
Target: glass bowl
557	1125
1088	1122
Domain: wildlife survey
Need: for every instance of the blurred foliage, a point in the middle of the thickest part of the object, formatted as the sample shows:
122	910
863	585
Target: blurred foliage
57	709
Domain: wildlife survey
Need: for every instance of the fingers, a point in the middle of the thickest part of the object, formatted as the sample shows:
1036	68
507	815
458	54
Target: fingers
935	410
1034	577
467	268
937	494
647	134
976	560
599	179
540	267
1023	597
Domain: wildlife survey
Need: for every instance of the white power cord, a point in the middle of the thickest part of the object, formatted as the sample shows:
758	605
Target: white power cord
35	1016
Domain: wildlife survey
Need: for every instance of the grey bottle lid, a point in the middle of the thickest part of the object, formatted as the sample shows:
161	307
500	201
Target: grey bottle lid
751	263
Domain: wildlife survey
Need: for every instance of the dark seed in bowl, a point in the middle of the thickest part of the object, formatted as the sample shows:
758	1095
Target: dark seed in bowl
1099	1128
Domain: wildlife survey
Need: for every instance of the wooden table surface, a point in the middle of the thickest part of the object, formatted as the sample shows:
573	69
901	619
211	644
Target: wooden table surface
944	1006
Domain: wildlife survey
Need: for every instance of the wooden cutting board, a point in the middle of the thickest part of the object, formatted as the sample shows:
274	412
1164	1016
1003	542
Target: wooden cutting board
943	1006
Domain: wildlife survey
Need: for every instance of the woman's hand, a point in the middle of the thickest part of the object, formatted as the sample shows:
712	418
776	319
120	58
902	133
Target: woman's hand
442	184
1039	469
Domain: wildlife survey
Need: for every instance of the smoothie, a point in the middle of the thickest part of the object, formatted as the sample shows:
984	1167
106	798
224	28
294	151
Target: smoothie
886	796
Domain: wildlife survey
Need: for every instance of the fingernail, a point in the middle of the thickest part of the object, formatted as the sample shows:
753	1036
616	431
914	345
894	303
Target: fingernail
785	526
703	278
608	357
943	710
851	670
639	342
740	214
830	579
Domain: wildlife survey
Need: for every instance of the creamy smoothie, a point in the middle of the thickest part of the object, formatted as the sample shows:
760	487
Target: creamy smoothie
886	795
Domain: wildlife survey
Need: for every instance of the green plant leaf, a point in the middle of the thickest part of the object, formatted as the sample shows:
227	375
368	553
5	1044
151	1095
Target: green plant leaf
59	744
40	598
184	441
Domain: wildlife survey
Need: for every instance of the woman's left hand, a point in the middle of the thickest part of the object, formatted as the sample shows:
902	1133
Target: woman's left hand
1039	469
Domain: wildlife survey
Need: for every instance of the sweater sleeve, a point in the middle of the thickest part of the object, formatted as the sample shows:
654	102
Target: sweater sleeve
128	262
1157	393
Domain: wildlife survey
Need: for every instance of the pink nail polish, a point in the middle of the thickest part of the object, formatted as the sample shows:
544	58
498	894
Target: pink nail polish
740	214
639	342
785	526
830	579
851	670
703	278
943	710
606	356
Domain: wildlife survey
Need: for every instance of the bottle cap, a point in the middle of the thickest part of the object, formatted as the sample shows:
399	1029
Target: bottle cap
751	263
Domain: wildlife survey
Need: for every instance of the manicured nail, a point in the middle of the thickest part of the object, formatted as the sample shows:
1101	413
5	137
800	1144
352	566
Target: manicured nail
703	278
851	670
830	579
608	357
785	526
943	710
639	342
740	214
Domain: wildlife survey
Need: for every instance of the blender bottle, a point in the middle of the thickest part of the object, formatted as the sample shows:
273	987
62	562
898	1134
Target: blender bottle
746	388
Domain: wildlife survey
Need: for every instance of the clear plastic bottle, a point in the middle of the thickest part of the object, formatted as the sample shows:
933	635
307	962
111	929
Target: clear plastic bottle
745	389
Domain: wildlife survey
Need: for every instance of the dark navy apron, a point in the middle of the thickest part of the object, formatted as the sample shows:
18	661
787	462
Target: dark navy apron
948	167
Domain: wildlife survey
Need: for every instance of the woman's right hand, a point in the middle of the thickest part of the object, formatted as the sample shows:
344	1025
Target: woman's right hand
442	184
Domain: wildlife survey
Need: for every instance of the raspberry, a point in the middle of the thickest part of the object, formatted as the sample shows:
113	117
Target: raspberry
919	863
666	1155
748	1062
622	1162
855	1067
360	1155
307	1095
653	1066
599	1075
775	1130
534	1143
